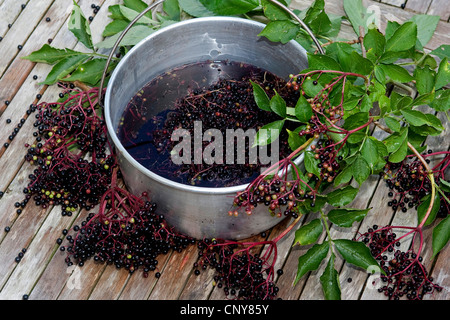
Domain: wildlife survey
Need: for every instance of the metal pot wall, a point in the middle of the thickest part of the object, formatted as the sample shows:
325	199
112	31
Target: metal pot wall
195	211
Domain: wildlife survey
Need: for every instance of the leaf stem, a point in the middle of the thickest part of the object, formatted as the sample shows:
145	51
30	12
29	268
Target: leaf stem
433	186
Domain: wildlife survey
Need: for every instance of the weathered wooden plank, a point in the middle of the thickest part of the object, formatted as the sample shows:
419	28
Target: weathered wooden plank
18	70
419	6
93	281
9	11
21	30
440	8
51	94
174	275
396	3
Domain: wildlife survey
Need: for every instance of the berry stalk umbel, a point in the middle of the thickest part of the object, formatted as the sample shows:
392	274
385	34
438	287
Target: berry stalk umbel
404	274
127	231
282	184
71	153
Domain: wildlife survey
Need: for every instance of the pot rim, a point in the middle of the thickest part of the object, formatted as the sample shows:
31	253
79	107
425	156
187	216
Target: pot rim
118	145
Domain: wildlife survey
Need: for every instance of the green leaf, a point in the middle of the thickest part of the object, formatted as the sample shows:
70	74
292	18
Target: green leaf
114	27
426	98
268	133
396	72
280	31
425	79
417	118
423	207
322	62
441	235
404	37
316	204
344	176
130	14
311	163
369	152
357	14
444	185
374	43
311	259
330	281
356	120
395	140
393	124
361	170
443	75
308	233
355	253
90	72
172	9
230	7
261	98
79	26
134	35
195	8
391	57
346	217
50	55
342	197
360	64
426	26
303	109
443	51
311	89
278	105
294	139
441	101
316	18
274	12
399	154
63	68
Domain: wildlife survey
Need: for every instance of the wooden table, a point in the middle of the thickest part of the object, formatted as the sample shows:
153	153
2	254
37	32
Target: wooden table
42	272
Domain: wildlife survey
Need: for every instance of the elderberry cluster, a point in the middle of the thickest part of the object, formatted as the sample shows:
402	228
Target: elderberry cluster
405	275
132	242
241	274
279	195
408	184
227	104
328	158
70	155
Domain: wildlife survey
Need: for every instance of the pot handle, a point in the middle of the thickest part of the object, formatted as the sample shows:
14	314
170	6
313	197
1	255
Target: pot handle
156	3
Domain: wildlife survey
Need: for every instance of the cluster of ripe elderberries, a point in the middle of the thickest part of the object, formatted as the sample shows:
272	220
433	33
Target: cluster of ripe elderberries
404	274
70	155
127	232
225	105
408	182
240	273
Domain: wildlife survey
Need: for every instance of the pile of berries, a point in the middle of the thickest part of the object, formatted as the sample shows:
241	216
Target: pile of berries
240	273
326	153
405	275
71	154
279	195
408	184
227	104
126	232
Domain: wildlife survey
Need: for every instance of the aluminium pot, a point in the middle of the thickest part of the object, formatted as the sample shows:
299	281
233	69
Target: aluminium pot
199	212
